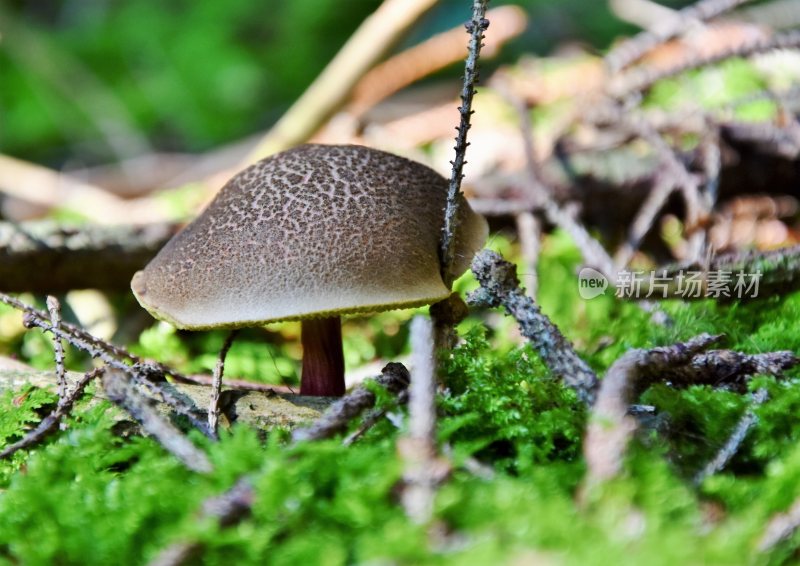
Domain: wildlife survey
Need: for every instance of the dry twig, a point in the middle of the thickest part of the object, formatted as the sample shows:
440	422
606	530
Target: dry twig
216	383
728	451
121	390
500	287
684	364
418	449
394	378
54	307
633	49
475	27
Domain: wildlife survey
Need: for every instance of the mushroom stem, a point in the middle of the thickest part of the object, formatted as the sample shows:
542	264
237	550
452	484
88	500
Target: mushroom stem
323	359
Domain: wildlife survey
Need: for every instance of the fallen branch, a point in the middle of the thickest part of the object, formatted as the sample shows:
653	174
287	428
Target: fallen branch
45	257
610	426
394	378
121	391
500	287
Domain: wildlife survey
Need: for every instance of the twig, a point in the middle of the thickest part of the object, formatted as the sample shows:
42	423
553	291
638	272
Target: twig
330	89
430	56
781	527
144	374
371	419
216	383
728	451
684	364
51	421
122	392
227	509
635	48
475	27
643	222
97	348
500	287
394	378
418	449
529	232
640	80
610	427
54	307
540	196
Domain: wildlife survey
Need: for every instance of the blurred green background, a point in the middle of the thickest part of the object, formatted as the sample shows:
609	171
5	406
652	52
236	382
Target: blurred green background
84	82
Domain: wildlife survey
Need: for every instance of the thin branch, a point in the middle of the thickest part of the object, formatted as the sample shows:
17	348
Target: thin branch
475	27
634	48
500	287
394	378
610	426
781	527
54	307
50	423
431	55
121	391
371	419
640	80
728	451
418	448
529	231
644	220
216	383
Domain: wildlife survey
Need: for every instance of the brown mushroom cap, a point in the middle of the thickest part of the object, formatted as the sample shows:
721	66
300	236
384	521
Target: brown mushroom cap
315	231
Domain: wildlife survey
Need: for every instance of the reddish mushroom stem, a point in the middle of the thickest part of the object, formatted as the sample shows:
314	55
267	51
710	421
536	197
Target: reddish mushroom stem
323	359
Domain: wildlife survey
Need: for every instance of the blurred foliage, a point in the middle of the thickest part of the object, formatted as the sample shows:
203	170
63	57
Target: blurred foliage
90	82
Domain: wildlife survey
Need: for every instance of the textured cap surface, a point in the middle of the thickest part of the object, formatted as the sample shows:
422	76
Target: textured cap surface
315	231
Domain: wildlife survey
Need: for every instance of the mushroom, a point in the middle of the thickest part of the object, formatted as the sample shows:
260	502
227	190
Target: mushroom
310	234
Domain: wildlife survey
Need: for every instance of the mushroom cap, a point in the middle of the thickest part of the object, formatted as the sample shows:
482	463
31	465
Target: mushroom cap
315	231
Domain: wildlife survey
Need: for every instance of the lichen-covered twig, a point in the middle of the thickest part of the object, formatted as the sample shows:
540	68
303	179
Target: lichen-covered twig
728	451
216	383
394	378
227	509
51	421
418	449
122	392
475	27
636	47
500	287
